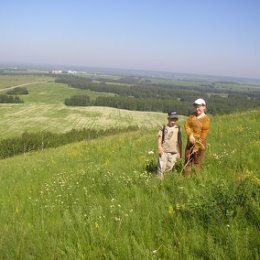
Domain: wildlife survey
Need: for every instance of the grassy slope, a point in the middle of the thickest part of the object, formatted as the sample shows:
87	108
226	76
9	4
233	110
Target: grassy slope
95	200
44	109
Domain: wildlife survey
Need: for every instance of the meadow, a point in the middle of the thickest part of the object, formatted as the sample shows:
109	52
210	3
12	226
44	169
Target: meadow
100	199
7	81
44	110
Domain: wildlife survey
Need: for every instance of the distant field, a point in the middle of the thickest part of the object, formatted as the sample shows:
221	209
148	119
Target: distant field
7	81
15	119
55	93
43	109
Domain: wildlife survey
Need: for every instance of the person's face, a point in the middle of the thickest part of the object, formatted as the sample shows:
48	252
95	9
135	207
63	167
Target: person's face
199	109
172	121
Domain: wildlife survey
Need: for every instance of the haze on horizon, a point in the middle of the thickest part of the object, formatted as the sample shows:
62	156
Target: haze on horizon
201	37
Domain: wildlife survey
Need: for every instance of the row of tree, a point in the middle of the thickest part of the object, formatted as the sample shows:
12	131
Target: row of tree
216	104
29	142
162	98
78	100
18	91
10	99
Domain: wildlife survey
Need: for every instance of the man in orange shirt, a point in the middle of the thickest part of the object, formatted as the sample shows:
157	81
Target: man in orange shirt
196	126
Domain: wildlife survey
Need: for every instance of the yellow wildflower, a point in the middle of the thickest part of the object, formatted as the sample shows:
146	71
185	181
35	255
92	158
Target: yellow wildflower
170	210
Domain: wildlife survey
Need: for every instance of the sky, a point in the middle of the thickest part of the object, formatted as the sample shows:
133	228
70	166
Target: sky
209	37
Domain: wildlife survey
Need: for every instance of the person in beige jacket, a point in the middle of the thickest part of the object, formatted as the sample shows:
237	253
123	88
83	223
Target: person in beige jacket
196	126
169	145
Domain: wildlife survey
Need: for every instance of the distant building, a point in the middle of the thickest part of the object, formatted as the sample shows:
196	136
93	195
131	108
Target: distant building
56	71
72	72
63	72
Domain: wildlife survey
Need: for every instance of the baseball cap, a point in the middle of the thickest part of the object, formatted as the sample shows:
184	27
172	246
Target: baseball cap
173	115
199	101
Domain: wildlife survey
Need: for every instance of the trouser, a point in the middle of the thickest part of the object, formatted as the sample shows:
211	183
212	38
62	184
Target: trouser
166	162
194	157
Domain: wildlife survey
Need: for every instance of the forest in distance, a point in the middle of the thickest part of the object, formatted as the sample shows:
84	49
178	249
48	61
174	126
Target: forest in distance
141	94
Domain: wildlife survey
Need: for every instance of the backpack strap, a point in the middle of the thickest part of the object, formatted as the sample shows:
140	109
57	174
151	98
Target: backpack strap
163	133
180	141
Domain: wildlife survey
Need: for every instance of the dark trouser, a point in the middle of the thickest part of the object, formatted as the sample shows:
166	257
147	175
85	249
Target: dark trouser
194	157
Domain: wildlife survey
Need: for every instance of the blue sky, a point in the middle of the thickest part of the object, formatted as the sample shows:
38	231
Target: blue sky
188	36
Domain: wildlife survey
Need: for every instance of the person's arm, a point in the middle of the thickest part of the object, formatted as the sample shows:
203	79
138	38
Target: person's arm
159	145
205	128
189	130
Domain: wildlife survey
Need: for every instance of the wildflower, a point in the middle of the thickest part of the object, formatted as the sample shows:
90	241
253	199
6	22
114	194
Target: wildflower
156	250
117	219
255	180
170	210
228	226
151	152
180	206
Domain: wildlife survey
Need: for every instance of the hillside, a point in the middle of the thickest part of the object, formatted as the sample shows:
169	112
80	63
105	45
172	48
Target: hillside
44	110
96	200
43	99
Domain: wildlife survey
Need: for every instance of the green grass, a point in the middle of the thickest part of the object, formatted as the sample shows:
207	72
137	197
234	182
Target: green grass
43	109
7	81
55	93
16	119
95	199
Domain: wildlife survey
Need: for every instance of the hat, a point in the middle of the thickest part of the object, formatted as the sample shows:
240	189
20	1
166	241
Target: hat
173	115
199	101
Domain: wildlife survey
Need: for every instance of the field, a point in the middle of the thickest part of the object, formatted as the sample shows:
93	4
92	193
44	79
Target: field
100	200
43	109
7	81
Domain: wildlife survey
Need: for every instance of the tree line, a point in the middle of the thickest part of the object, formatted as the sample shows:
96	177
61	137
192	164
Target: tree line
10	99
38	141
18	91
161	98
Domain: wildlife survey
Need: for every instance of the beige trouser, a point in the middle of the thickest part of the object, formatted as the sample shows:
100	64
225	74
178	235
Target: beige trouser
166	162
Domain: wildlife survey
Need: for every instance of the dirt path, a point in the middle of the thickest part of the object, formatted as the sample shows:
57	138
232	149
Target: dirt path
21	85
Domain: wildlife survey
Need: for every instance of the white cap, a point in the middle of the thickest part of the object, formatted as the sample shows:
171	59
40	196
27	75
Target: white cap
199	101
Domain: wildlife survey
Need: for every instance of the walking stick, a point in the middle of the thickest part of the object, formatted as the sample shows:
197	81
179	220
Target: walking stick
202	147
189	159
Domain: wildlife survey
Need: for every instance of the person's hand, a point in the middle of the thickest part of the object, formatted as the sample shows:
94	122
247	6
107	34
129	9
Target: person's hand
192	139
160	151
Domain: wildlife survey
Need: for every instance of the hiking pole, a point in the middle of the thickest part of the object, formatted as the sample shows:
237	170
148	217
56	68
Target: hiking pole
189	159
202	147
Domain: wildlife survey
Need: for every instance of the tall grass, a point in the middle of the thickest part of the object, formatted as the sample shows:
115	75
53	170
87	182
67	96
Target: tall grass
96	199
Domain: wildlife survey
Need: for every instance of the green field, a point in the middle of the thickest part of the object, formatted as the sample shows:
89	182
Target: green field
100	199
7	81
43	109
96	199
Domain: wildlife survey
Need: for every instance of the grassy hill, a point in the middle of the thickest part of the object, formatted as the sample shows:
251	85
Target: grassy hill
96	199
44	110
